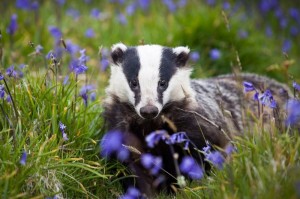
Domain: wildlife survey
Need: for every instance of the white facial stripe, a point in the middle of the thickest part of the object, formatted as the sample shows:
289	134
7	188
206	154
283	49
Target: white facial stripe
150	58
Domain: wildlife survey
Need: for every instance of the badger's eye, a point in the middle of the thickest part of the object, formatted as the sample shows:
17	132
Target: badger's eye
134	84
162	84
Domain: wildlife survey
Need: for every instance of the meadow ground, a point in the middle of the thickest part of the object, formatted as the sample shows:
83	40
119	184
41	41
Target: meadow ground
54	58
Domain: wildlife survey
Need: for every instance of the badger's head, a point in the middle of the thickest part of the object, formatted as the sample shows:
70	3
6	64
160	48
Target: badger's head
149	76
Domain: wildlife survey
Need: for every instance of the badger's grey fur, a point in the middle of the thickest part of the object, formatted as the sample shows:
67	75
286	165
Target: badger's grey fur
150	83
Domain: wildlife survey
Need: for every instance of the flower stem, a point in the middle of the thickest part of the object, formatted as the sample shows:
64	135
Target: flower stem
12	100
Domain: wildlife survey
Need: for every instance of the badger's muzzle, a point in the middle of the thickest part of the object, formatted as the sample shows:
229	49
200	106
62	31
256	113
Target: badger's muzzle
149	111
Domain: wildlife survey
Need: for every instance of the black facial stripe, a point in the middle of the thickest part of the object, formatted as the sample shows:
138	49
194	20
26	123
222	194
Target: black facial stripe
167	69
131	67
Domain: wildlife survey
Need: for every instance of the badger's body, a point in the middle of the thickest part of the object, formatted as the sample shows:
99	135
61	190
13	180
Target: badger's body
150	89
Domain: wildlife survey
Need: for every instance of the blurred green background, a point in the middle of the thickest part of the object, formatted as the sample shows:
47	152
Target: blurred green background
255	36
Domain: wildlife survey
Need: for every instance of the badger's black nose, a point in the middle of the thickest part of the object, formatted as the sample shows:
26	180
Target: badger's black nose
149	112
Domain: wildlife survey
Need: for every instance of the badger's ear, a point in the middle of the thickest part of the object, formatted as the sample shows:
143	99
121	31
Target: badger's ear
182	55
117	52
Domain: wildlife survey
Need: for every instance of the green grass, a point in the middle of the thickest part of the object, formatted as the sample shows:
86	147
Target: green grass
266	164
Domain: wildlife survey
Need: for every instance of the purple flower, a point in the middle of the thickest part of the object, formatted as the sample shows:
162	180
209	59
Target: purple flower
23	158
293	110
11	72
296	86
179	137
190	167
95	13
153	138
23	4
1	77
266	99
287	45
294	13
294	31
170	4
13	26
8	98
130	9
243	34
112	144
226	5
248	87
216	158
152	163
38	49
73	13
181	3
255	96
62	129
2	91
132	193
144	4
66	80
55	32
215	54
77	67
72	48
269	31
61	2
93	96
84	93
194	56
230	148
211	2
104	62
90	33
122	19
83	58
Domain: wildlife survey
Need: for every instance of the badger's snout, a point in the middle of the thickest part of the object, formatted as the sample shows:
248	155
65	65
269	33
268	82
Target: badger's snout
149	111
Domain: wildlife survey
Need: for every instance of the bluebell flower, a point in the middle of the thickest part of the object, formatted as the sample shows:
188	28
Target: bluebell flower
61	2
255	96
243	34
55	32
89	33
151	163
93	96
294	30
77	67
211	2
229	149
23	4
144	4
269	31
11	72
13	25
1	77
191	168
23	158
62	129
66	80
216	158
293	111
38	49
8	99
130	9
294	13
179	137
215	54
122	19
181	3
248	87
194	56
226	5
132	193
84	91
2	91
267	99
296	86
72	48
283	22
104	62
35	5
73	13
112	144
170	5
287	45
153	138
83	58
95	13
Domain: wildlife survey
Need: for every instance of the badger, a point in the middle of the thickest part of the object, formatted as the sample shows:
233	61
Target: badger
150	89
